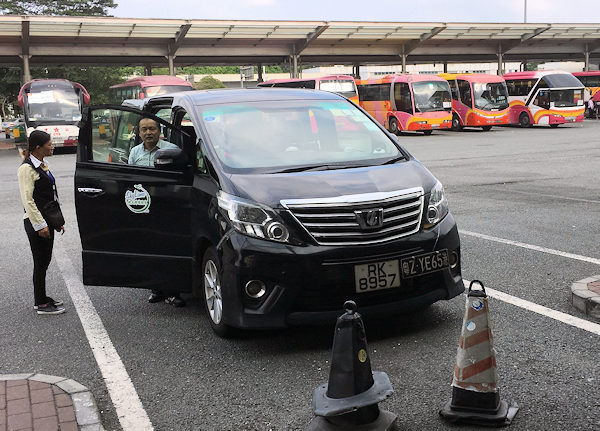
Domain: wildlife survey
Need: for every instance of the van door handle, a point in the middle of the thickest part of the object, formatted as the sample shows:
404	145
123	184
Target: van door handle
90	190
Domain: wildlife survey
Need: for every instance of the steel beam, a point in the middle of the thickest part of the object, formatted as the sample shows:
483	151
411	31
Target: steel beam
309	38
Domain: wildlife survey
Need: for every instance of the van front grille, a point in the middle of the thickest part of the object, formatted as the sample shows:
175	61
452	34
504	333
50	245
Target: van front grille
360	219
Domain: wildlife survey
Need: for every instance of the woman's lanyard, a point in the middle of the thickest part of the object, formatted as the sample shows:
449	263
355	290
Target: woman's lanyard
53	184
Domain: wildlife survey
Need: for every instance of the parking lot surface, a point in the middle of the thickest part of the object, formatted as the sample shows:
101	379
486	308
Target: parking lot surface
527	204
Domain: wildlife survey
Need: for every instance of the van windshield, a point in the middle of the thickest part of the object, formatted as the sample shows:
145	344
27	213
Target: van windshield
431	96
279	135
490	96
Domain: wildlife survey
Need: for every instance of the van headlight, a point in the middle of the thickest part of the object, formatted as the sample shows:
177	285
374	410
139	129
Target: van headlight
252	218
438	206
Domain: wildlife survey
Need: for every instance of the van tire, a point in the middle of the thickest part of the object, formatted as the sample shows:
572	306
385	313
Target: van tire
211	289
554	126
486	128
427	132
456	126
524	120
393	125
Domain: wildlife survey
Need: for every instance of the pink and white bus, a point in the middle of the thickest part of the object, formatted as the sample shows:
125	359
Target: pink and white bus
146	86
478	100
419	103
339	84
544	97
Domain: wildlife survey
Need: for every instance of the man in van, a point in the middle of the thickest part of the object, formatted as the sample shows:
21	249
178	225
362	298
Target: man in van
143	155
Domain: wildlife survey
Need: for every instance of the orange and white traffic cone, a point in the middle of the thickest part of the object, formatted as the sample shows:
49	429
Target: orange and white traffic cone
475	394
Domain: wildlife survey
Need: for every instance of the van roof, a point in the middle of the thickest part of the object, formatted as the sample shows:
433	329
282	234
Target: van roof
253	94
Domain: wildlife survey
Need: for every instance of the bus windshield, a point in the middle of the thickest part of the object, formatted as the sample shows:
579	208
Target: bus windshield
490	96
431	96
158	90
345	88
52	103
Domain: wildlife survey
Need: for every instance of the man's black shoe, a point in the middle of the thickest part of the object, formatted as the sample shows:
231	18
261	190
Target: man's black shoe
49	309
175	301
155	297
50	301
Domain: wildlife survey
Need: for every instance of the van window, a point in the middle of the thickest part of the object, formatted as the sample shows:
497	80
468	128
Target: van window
115	133
294	133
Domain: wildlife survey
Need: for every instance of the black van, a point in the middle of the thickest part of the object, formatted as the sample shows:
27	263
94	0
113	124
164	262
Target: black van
276	205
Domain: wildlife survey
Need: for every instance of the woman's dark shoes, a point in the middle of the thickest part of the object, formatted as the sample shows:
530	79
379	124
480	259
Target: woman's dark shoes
49	309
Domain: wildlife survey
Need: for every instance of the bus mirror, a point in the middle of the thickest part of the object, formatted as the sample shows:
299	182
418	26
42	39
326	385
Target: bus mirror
551	105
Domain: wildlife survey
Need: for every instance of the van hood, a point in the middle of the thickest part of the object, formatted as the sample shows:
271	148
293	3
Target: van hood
270	189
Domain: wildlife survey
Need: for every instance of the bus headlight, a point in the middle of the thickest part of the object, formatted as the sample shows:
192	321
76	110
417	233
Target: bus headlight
252	218
438	206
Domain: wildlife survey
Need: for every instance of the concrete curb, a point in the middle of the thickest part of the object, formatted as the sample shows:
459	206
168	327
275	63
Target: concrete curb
586	296
86	410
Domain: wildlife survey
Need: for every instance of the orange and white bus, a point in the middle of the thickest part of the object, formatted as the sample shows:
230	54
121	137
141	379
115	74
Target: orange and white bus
339	84
591	80
478	100
544	97
146	86
419	103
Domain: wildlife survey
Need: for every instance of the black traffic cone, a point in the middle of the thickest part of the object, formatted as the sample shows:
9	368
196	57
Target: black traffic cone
475	394
349	400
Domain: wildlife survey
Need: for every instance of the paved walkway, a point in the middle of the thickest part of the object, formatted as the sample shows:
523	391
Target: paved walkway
37	402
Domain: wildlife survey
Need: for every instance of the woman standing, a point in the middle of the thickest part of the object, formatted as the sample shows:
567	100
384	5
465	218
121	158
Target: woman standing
38	188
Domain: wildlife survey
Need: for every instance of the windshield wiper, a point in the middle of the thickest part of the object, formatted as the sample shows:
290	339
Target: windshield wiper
394	160
324	167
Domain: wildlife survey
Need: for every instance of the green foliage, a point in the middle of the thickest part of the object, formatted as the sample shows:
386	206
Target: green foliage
531	66
57	7
10	83
208	82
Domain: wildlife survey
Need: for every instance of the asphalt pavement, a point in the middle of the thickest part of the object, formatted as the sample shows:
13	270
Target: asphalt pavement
536	187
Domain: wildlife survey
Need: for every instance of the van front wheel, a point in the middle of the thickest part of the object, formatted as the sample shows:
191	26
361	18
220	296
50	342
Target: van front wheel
524	120
213	294
393	125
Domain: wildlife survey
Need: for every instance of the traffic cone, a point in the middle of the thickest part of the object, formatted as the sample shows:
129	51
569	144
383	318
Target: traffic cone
349	400
475	394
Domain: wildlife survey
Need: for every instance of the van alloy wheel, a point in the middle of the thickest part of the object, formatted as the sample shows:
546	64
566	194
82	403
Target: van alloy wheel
456	123
393	125
524	120
212	292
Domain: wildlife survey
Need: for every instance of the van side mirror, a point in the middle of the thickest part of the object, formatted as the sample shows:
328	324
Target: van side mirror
170	158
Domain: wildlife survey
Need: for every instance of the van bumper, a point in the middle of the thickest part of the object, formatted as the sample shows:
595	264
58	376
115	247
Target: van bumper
309	284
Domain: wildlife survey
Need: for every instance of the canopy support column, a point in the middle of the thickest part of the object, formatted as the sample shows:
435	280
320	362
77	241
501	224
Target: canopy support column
148	70
171	65
26	70
500	60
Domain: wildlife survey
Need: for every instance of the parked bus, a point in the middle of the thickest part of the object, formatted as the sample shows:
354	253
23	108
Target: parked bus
54	106
591	80
147	86
420	103
339	84
544	97
478	100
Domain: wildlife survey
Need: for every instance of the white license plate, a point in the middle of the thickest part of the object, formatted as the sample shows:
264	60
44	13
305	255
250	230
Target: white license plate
435	126
570	118
376	276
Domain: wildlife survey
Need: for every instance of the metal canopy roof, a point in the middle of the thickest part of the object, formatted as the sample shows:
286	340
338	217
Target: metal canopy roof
108	40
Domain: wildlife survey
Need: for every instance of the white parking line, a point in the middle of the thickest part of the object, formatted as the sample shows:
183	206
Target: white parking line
590	201
531	247
586	325
129	408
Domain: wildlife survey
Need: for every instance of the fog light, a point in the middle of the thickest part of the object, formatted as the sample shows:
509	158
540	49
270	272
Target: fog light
432	214
453	260
255	289
276	231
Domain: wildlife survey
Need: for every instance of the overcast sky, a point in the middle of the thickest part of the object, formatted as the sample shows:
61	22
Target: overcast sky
365	10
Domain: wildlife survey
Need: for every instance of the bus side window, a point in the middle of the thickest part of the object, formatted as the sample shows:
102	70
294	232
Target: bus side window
453	89
464	88
543	99
402	97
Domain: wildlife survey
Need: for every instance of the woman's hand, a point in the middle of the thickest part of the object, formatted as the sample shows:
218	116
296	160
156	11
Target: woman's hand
44	233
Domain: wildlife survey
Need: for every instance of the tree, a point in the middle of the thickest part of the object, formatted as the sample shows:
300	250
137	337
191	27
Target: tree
57	7
208	82
10	83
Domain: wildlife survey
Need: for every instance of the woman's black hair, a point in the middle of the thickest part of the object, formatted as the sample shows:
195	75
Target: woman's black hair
37	139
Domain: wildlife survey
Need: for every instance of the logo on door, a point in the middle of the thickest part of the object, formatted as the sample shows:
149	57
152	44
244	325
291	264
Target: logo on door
138	200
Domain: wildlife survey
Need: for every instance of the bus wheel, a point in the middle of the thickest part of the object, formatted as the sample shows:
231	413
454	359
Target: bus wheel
393	125
486	128
524	120
456	123
427	132
213	294
554	126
